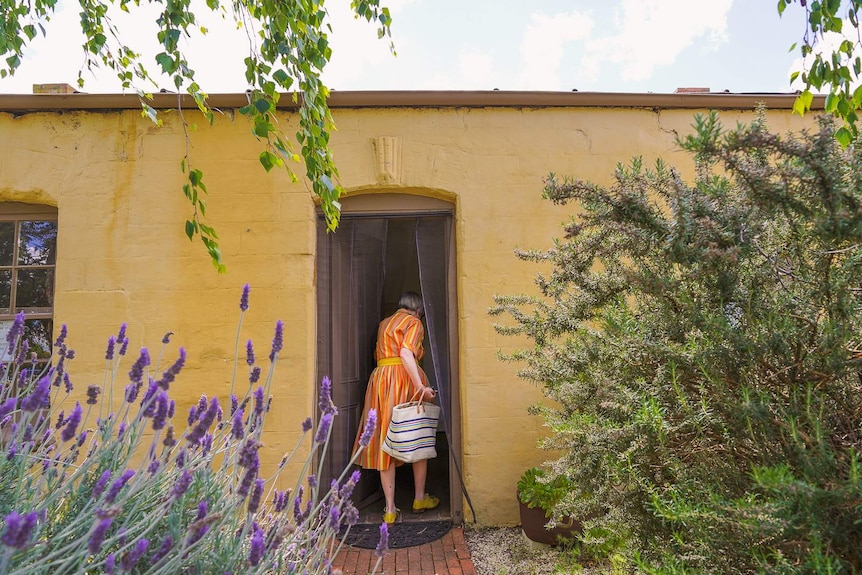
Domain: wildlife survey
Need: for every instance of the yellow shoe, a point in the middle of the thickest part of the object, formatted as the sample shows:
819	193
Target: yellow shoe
425	504
390	518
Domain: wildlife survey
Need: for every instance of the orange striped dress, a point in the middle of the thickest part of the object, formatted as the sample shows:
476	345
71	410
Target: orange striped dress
389	385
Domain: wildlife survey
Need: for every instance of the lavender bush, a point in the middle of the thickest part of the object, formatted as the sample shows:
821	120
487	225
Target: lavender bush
86	488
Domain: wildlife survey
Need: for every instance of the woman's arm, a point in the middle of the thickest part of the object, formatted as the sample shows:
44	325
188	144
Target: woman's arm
409	362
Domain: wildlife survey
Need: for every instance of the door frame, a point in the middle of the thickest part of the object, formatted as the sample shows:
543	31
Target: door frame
385	204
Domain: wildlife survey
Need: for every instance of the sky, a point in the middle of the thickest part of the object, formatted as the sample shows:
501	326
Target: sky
556	45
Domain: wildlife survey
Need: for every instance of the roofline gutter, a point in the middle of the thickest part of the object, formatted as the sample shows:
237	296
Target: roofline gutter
418	99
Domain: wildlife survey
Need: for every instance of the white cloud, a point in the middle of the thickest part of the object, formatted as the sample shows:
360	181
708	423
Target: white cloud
356	50
652	33
543	47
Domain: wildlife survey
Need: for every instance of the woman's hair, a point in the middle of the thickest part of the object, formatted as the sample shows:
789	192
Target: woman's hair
412	301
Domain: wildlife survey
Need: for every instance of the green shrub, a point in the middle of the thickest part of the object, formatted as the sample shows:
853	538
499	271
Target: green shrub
536	491
101	491
702	344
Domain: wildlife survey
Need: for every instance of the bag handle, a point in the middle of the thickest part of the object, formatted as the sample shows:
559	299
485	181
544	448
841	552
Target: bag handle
419	404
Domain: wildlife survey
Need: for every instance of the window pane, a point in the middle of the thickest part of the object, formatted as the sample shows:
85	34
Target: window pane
5	290
35	288
38	334
37	244
7	242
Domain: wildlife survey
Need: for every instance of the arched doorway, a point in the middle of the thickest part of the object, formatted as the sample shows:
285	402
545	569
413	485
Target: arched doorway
384	245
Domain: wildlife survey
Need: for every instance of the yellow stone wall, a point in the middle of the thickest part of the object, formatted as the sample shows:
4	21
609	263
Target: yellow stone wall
122	255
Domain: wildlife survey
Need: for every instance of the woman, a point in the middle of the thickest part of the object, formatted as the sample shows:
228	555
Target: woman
397	379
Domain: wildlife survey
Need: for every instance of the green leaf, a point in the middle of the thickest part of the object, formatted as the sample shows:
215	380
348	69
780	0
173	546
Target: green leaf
262	105
843	136
803	102
190	229
195	177
268	160
166	62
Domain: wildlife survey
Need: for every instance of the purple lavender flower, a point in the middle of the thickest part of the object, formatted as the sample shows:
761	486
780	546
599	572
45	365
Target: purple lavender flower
109	353
71	427
193	414
206	443
118	485
249	353
383	544
110	564
254	375
39	398
122	429
243	300
67	382
62	337
8	407
16	331
256	494
147	401
307	425
312	481
248	454
181	486
121	335
161	413
202	403
28	434
100	484
171	373
279	500
167	338
256	548
181	458
132	392
172	406
350	514
237	427
277	340
70	354
234	403
202	509
297	505
164	549
13	450
136	374
323	428
169	440
325	397
82	438
93	392
334	518
18	529
23	352
370	425
124	346
153	467
350	485
203	424
97	537
258	402
129	560
247	480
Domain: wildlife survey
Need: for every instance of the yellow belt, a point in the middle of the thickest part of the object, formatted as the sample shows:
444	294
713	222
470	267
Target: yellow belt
388	361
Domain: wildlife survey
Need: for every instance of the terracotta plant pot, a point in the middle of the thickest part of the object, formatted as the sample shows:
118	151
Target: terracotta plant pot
533	523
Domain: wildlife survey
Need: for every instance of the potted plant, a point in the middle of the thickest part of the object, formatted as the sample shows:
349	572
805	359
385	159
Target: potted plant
536	498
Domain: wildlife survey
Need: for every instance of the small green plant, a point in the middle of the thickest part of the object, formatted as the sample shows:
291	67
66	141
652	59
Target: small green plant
535	490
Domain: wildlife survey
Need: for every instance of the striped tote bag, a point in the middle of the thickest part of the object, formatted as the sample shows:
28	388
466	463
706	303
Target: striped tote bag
412	433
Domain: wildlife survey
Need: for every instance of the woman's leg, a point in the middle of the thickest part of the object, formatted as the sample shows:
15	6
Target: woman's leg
420	472
387	481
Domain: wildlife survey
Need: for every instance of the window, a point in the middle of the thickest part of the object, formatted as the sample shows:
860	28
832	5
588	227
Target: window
28	256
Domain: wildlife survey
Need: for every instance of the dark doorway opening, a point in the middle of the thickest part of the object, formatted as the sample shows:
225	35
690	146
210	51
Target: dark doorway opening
362	269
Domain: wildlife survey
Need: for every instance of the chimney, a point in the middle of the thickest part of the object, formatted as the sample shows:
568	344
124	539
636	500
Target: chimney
54	89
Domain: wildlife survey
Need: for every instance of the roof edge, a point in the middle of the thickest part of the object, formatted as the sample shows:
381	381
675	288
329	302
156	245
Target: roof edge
418	99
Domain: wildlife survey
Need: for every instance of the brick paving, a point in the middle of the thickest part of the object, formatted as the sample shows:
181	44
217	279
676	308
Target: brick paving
446	556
